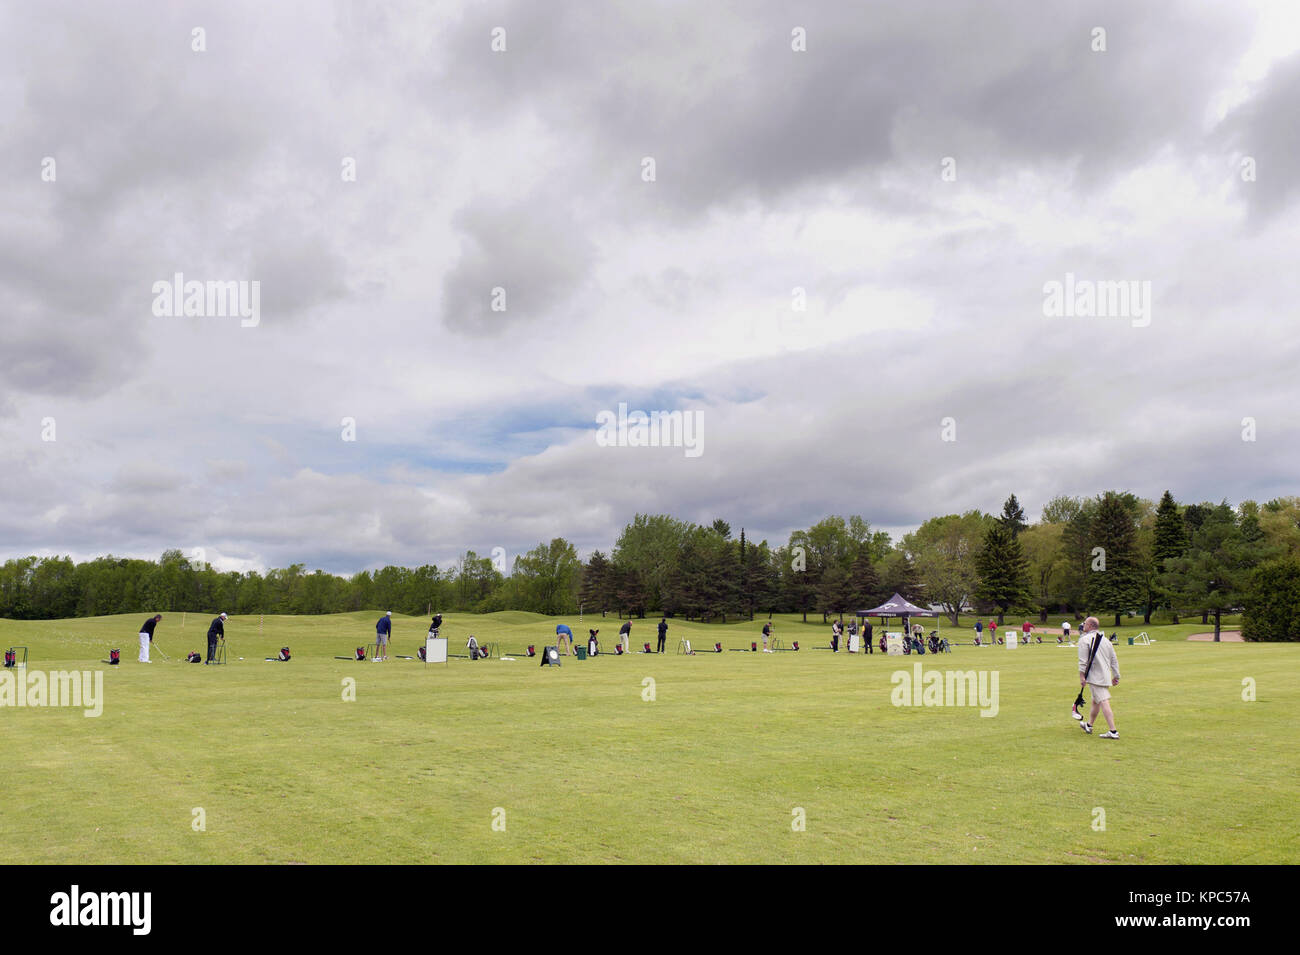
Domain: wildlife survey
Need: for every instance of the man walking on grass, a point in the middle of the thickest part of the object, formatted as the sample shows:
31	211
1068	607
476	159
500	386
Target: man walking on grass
146	637
1100	676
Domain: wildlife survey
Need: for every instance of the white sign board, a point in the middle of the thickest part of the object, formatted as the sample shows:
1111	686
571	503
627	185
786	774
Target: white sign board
894	642
1011	639
855	643
435	649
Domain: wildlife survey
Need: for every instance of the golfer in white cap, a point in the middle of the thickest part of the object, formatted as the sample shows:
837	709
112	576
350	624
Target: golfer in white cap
216	631
383	627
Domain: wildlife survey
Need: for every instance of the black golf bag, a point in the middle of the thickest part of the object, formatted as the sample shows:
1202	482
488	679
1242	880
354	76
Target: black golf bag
283	656
114	657
419	652
361	653
194	657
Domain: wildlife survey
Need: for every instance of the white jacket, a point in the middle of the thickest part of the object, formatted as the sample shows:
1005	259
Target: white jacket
1105	665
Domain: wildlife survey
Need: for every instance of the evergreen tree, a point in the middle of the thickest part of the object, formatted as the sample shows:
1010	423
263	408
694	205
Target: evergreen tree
1171	532
1013	516
1003	570
1114	580
1272	604
864	582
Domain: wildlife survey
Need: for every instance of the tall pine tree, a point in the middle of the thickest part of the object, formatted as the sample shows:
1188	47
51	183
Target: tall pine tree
1003	570
1114	582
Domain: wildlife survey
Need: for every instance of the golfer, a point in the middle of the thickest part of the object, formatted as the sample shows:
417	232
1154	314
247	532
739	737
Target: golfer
563	633
146	637
866	636
767	632
625	632
1028	628
979	631
383	627
1100	677
216	631
663	633
1065	630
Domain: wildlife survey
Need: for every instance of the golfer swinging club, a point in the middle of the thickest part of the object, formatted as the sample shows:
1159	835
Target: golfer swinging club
146	637
383	627
216	630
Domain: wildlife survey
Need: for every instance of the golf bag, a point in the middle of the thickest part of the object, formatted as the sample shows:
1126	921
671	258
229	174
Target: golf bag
753	646
532	650
194	657
361	653
618	649
647	649
11	659
420	652
114	657
934	642
475	651
283	656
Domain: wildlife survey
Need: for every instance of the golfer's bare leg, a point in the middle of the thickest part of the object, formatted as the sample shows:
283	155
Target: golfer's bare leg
1110	717
1092	716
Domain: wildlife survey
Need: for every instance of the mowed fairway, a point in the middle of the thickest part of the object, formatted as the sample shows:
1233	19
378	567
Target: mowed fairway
579	767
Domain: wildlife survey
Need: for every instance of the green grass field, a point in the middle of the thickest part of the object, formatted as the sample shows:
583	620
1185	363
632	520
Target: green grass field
574	765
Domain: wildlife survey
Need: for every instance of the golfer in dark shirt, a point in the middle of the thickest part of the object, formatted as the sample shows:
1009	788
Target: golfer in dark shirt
663	633
146	637
625	632
216	630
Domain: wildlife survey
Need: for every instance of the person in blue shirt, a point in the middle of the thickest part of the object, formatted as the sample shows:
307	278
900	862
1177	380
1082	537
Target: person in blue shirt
563	633
383	627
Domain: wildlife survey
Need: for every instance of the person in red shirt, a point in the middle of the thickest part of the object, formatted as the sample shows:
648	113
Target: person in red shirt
1028	628
993	631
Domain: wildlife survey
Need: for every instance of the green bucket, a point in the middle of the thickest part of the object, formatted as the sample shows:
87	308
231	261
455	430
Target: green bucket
1130	641
581	652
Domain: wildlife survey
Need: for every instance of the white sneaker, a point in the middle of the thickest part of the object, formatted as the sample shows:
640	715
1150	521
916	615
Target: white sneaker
1111	734
1086	728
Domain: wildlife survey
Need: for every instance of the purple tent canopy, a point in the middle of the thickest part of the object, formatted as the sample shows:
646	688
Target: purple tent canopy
897	606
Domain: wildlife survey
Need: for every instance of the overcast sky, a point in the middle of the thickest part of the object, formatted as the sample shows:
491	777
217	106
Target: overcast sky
921	171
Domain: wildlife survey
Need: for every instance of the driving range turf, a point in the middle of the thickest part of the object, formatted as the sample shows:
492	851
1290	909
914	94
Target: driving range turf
574	764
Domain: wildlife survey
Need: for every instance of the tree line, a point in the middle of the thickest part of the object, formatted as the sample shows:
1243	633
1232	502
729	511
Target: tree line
1114	553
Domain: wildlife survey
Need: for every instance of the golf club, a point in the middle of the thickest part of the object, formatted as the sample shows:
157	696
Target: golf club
1078	702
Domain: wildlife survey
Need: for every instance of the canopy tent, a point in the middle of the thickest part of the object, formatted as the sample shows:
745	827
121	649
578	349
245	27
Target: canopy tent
897	606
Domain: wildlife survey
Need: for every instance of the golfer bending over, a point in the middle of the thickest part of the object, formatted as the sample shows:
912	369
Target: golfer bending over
625	632
216	630
563	633
1100	677
146	636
